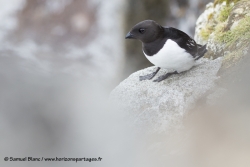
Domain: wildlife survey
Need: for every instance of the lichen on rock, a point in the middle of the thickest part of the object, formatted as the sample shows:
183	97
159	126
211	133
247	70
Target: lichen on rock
227	1
225	27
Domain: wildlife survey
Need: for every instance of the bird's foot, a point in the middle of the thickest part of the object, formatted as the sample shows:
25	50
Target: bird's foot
149	76
162	77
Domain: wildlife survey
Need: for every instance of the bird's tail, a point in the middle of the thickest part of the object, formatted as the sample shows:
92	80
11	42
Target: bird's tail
201	51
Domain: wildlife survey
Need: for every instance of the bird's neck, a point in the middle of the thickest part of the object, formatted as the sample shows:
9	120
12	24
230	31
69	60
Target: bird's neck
152	48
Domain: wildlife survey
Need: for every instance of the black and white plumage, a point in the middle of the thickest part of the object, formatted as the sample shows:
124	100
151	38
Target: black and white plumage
166	47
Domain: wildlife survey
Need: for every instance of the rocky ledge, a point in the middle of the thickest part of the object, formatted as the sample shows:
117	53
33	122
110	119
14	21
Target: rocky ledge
159	106
225	27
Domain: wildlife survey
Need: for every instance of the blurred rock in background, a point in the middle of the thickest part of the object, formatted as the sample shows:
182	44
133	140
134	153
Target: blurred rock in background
69	36
58	61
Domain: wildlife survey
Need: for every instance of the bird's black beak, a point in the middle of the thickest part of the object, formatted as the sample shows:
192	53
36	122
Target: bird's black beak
129	36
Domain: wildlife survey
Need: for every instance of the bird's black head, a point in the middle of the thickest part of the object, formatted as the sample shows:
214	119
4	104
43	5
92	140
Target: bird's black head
145	31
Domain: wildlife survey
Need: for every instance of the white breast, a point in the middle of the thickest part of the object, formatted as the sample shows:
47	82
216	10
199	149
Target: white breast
172	57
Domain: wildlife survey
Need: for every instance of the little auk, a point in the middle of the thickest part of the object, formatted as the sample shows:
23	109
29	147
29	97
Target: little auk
166	47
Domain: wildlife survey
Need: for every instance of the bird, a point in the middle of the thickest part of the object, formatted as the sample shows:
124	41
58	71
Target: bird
166	47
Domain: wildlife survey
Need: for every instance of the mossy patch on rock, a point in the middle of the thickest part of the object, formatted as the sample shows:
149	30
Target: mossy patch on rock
225	26
206	32
227	1
224	13
240	32
215	20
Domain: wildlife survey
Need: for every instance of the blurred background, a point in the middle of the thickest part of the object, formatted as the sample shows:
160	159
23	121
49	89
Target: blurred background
59	60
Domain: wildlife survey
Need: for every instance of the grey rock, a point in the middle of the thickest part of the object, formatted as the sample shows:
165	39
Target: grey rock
156	107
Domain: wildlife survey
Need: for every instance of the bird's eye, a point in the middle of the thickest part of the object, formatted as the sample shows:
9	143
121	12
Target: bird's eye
141	30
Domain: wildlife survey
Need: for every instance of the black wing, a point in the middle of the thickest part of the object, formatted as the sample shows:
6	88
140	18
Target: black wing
183	40
201	51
